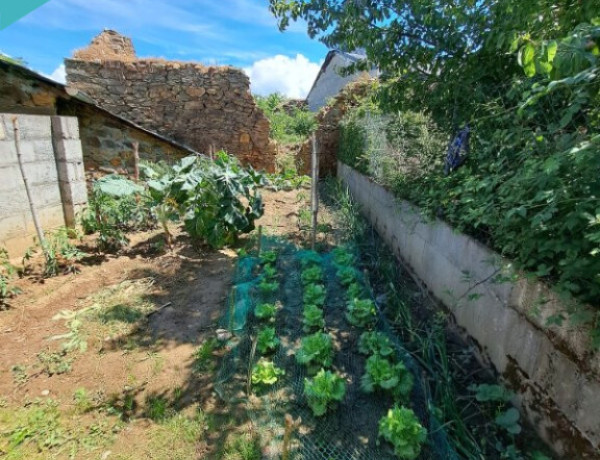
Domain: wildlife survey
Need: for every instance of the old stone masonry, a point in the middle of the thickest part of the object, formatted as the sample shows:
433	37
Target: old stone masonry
205	108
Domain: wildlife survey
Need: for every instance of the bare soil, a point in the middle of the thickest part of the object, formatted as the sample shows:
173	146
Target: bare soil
181	294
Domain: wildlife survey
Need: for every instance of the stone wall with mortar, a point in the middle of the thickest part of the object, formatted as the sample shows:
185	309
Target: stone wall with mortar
206	108
53	164
552	368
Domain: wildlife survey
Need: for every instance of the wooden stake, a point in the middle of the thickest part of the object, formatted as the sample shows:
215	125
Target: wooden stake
36	223
287	435
314	196
136	161
259	240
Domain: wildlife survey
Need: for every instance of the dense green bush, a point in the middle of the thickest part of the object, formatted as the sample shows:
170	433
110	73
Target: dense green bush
287	127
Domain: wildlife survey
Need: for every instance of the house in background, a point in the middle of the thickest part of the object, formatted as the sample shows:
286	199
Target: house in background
330	81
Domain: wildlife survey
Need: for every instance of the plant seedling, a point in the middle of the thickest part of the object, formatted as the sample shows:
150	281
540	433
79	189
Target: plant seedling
310	258
341	256
324	389
269	271
266	340
266	373
268	257
402	429
268	287
361	313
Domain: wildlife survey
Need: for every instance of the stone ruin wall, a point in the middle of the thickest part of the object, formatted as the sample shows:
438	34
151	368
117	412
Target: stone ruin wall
205	108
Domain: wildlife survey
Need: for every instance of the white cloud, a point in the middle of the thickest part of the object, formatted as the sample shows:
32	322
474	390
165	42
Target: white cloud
59	74
292	77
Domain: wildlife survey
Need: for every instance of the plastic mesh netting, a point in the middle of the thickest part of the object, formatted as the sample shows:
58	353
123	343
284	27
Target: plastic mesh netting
349	431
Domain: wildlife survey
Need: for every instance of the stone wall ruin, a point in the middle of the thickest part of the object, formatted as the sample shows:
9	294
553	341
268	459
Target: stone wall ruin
205	108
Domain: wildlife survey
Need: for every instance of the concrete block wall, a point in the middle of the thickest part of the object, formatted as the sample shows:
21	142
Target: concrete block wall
47	173
552	369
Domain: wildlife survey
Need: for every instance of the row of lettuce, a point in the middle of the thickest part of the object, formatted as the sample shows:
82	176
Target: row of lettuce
325	387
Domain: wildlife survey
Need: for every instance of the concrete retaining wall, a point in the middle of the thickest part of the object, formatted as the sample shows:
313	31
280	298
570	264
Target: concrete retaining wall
552	369
53	163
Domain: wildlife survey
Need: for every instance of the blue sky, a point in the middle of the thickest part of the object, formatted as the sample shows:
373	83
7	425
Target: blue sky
241	33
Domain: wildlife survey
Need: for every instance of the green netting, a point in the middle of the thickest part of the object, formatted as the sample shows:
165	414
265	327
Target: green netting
350	432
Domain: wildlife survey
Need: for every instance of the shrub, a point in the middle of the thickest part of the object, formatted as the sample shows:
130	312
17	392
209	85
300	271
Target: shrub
322	390
402	429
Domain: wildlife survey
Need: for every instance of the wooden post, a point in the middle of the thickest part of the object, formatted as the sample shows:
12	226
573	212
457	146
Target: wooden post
314	196
36	223
259	243
287	436
136	161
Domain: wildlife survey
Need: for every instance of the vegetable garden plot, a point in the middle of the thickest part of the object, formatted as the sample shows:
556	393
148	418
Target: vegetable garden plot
300	349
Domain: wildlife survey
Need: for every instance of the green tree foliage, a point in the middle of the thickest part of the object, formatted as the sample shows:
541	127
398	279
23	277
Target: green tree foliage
288	126
525	76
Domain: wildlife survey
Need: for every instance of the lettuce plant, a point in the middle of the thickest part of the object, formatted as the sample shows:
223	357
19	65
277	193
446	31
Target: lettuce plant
314	294
382	373
375	343
316	351
324	389
268	287
268	257
265	372
313	318
341	256
265	311
402	429
355	290
266	340
269	271
311	275
346	275
361	313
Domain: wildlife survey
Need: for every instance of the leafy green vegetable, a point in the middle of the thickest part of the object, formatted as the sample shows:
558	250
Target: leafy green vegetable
322	390
265	372
311	275
361	313
342	256
269	271
316	351
347	275
268	257
355	290
486	392
217	199
268	287
375	343
402	429
266	340
314	294
313	318
265	311
382	373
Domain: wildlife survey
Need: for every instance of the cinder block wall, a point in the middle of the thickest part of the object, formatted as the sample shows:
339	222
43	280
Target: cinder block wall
53	163
553	369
